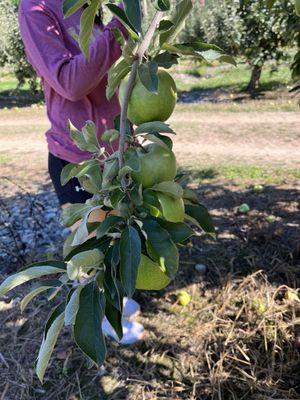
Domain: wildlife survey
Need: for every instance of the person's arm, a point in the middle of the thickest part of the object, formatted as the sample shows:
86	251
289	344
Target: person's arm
73	77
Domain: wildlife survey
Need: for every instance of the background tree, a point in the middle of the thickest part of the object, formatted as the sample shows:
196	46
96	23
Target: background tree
248	28
12	53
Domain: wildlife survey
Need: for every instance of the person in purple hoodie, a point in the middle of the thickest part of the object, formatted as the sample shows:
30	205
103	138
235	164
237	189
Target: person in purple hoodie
74	89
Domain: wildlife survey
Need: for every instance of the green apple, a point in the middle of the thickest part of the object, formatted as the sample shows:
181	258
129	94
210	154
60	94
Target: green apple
150	275
184	298
158	164
145	106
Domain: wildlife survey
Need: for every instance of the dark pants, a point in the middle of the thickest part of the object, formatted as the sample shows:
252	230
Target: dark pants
72	191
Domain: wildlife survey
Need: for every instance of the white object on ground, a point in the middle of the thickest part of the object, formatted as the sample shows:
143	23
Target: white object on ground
132	331
131	308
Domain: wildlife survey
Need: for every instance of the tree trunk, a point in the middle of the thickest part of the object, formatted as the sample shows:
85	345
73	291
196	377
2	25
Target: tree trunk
255	77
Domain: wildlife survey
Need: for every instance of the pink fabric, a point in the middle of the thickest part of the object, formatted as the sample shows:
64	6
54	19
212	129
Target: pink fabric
74	87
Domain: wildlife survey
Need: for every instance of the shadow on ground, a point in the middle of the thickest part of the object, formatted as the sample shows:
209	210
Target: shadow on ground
19	98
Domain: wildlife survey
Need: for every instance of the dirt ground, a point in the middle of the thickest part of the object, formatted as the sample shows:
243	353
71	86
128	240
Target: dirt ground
239	338
257	138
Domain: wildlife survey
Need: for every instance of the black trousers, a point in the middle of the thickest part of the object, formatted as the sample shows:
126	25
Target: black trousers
72	191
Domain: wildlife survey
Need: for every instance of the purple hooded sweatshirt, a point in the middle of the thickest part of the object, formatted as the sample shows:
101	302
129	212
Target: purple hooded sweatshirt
74	88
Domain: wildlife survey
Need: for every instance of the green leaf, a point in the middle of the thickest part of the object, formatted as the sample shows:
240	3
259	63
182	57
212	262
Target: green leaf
169	187
166	59
165	25
116	74
132	160
48	345
201	217
83	262
90	177
110	222
72	306
110	135
89	132
178	231
90	244
133	12
114	317
68	172
39	288
79	139
130	257
203	51
71	6
162	5
120	14
110	172
160	247
74	212
87	25
88	324
154	126
178	19
27	275
165	139
155	138
190	195
148	76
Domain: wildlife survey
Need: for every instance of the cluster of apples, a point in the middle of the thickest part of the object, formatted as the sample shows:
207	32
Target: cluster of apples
158	168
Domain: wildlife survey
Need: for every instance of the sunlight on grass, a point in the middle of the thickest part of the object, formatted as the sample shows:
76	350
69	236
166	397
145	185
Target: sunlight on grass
229	77
242	174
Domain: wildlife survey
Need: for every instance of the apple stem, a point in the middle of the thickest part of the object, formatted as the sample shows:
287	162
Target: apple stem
129	86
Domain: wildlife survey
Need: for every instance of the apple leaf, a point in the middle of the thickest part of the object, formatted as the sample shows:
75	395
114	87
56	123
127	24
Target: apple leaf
160	247
72	306
88	324
190	195
29	274
87	25
201	217
120	14
170	188
48	344
71	6
115	75
178	231
154	126
80	141
114	317
133	12
155	138
166	59
148	76
132	160
130	257
182	10
83	262
110	172
39	288
165	25
162	5
110	222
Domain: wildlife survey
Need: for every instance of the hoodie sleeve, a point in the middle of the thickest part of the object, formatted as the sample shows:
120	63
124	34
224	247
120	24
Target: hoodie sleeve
73	77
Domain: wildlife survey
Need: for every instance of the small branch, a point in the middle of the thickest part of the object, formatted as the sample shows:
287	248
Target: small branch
129	86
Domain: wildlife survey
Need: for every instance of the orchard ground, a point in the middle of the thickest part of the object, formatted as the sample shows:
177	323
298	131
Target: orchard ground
239	337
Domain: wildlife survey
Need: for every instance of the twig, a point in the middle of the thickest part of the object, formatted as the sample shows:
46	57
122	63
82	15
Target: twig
129	86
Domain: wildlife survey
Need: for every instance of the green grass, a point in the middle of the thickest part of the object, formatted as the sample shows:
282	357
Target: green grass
5	158
231	78
243	174
245	106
